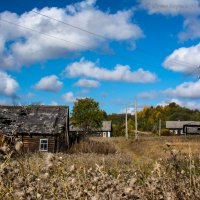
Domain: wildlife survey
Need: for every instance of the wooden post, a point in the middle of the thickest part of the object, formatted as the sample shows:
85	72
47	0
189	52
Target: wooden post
159	131
126	123
136	124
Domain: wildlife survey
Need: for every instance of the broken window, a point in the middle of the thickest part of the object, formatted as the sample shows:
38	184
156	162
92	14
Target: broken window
43	145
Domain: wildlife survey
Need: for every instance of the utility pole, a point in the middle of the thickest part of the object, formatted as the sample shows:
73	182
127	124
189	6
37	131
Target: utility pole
159	130
136	124
126	125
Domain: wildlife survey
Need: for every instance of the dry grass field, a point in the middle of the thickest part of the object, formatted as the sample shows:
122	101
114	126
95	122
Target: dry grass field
106	168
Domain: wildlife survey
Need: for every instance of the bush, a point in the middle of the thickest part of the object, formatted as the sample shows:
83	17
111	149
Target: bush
165	132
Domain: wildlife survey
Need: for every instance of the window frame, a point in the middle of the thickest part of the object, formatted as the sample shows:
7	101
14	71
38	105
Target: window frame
41	143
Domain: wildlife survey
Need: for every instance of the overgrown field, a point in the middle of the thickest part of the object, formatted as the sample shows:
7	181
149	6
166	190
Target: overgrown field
151	168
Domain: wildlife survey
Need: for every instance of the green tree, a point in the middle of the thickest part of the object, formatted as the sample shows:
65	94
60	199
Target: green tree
87	115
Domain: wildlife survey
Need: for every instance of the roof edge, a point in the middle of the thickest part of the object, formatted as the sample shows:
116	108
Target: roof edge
33	106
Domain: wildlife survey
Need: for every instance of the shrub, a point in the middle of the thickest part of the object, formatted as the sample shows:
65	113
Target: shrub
165	132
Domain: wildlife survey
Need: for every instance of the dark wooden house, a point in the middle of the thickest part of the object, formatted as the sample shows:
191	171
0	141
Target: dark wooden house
40	128
183	127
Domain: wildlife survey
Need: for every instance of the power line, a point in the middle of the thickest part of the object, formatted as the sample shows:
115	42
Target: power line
41	33
103	37
97	35
73	26
61	39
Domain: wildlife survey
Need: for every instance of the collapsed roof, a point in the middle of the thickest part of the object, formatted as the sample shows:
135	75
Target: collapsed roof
33	119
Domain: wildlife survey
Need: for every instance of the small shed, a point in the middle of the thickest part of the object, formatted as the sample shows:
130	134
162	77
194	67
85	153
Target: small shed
40	128
183	127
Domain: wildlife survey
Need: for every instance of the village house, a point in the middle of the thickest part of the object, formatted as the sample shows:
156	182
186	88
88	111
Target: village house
40	128
183	127
105	130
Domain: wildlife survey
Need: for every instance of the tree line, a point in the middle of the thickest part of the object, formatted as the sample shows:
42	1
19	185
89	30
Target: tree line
88	116
149	116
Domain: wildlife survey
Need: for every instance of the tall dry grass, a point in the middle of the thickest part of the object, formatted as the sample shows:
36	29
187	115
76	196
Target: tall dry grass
152	168
92	146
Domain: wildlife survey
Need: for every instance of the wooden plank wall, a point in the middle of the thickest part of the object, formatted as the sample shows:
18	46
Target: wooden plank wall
1	137
31	144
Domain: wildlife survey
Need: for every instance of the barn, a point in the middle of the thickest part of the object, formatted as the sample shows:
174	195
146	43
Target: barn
40	128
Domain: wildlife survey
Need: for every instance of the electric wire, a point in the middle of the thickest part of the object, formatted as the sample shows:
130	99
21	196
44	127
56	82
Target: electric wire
105	38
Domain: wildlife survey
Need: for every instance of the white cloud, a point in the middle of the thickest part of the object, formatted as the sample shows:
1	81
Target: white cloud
69	97
28	47
8	85
191	29
49	83
193	105
185	90
171	7
185	60
130	110
87	83
188	9
167	102
119	73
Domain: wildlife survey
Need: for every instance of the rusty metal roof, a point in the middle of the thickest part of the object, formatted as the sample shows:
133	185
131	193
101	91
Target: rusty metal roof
33	119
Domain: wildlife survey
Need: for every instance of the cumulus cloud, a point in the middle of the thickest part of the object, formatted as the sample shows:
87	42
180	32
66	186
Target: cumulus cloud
191	29
87	83
171	7
8	85
119	73
27	47
185	60
49	83
185	90
69	97
188	9
193	105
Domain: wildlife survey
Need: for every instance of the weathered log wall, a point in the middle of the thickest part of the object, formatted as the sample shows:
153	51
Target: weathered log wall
32	144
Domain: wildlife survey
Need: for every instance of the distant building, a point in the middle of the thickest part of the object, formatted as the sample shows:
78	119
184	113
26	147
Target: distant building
183	127
104	131
40	128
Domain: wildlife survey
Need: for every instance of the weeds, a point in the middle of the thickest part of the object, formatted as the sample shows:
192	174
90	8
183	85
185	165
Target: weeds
91	146
99	176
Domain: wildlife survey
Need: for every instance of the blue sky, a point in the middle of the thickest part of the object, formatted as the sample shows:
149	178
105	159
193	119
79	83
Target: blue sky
147	48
